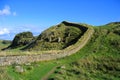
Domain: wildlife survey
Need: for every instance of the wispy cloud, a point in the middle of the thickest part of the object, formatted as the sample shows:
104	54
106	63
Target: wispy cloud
4	31
7	11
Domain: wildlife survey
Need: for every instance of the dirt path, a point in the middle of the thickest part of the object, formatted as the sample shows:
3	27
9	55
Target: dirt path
49	73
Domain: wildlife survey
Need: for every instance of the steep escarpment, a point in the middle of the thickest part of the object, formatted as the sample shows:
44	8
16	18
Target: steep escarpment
58	37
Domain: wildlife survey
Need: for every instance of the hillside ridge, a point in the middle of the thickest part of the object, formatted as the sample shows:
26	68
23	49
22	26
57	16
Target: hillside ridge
58	37
49	55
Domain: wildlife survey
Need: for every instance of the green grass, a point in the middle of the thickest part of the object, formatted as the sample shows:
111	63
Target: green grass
4	75
34	71
3	45
98	60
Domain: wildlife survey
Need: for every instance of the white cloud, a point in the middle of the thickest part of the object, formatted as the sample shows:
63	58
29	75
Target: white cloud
4	31
6	11
14	14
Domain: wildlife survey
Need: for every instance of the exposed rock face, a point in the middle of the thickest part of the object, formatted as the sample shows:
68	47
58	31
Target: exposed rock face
57	37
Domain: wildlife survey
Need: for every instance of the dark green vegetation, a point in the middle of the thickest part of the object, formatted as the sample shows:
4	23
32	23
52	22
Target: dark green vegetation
89	68
21	39
98	60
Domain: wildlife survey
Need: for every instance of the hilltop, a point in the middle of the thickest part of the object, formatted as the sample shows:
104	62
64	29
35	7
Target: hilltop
20	39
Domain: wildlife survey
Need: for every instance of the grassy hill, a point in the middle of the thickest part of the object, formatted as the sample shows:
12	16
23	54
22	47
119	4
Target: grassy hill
101	60
57	37
98	60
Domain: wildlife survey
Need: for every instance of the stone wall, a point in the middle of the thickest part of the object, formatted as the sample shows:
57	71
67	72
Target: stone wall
21	59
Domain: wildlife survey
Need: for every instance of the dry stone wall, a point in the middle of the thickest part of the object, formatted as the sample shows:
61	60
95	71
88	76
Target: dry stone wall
22	59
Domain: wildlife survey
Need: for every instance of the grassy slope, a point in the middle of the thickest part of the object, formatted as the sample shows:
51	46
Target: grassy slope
3	45
99	59
32	72
56	38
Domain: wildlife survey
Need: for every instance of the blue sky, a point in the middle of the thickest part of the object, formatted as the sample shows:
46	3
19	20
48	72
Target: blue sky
37	15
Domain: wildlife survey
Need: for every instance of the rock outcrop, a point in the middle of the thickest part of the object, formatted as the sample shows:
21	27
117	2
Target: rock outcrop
21	39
